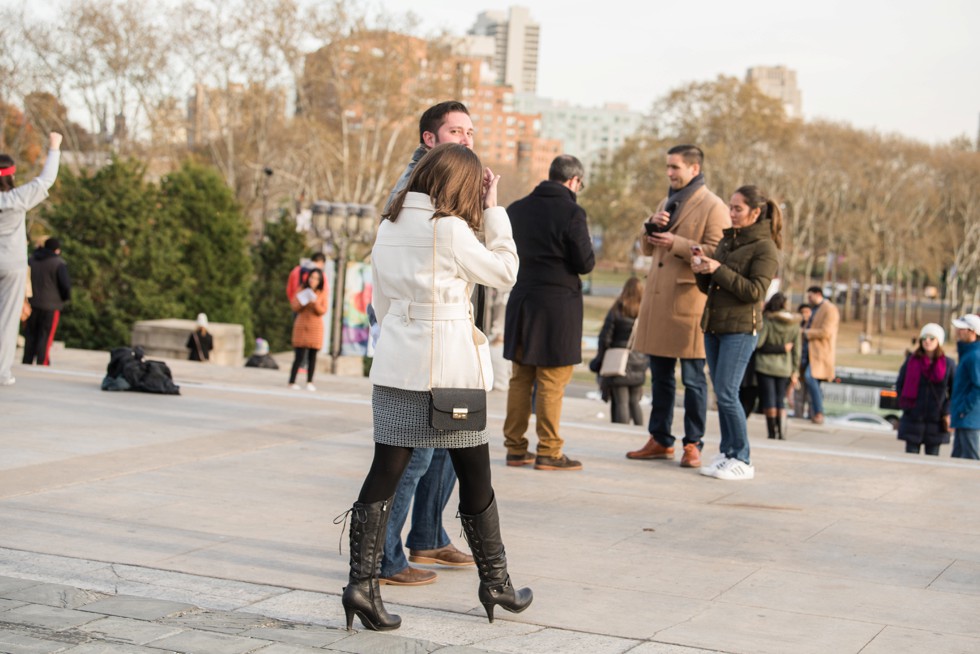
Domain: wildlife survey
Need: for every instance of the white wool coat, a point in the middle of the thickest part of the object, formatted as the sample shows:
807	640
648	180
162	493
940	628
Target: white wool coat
411	343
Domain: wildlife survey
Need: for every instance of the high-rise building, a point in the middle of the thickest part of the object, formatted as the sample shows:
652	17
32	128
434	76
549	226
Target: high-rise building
778	82
590	133
510	137
515	46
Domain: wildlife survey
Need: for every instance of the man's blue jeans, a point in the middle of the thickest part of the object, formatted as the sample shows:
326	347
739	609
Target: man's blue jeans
728	355
429	479
813	390
966	444
663	389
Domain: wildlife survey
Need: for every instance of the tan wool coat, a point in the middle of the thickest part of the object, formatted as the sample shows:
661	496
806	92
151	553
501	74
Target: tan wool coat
821	337
670	312
308	326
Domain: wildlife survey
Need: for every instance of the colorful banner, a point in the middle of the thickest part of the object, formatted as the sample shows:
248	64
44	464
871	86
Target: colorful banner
355	326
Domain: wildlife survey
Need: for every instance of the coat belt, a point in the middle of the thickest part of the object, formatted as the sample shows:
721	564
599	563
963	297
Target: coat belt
409	311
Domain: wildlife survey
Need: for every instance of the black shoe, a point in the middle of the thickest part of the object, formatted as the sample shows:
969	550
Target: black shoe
556	463
520	459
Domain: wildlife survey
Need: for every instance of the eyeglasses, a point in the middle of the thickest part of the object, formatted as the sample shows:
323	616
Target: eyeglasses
928	338
581	185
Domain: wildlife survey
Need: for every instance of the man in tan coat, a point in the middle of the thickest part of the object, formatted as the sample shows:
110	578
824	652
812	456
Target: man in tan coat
668	326
819	348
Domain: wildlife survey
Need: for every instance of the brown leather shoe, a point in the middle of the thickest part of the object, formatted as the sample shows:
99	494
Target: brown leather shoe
652	450
410	577
520	459
817	418
556	463
691	457
447	555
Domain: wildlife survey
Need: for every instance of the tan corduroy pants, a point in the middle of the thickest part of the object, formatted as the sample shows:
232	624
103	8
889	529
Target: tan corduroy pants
547	404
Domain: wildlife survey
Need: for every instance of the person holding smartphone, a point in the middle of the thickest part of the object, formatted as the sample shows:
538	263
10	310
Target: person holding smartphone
670	311
735	281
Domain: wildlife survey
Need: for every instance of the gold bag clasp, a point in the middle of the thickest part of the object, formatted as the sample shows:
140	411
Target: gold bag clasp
460	413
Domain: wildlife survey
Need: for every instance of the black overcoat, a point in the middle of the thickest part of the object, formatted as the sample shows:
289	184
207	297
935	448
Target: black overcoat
544	312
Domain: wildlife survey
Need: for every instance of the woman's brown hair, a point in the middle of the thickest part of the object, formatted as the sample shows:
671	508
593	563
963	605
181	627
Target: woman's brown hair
768	210
629	299
306	282
452	176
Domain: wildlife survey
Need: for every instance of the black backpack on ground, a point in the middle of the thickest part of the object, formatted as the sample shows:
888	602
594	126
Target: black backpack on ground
127	371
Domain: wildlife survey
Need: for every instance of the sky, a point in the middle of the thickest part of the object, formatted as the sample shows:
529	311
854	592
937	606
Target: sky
894	66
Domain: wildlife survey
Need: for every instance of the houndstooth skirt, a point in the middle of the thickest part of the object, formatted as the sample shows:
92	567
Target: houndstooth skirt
401	418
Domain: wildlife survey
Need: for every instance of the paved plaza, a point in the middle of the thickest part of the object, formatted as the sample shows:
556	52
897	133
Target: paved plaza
204	523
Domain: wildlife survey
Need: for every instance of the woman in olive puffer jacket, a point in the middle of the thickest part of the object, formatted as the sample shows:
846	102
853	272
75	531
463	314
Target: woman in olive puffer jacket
736	281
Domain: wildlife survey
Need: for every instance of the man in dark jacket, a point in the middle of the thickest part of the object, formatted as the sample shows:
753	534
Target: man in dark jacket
543	325
52	288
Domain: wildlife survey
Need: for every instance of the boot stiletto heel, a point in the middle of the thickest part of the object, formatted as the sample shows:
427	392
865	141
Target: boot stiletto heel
362	594
483	535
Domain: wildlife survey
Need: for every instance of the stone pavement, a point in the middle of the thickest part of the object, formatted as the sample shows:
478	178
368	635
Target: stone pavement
204	523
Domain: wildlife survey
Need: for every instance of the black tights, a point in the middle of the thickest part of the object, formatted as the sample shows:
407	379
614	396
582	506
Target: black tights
310	354
472	465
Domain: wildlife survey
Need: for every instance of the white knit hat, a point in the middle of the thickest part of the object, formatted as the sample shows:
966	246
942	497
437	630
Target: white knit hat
932	329
202	320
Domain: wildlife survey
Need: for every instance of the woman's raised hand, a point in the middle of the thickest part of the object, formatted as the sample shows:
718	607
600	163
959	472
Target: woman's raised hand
54	141
489	188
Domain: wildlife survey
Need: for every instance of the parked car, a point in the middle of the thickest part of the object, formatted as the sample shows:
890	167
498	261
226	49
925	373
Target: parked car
863	421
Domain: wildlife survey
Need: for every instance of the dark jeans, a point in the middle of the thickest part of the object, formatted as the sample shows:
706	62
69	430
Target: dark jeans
664	389
39	334
625	401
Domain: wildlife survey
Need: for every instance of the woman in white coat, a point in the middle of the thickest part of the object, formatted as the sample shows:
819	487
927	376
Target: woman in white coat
426	260
15	202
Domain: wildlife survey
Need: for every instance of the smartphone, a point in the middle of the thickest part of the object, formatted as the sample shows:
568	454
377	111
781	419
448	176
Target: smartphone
654	228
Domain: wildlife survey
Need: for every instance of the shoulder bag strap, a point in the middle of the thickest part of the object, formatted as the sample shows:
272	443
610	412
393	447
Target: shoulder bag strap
432	342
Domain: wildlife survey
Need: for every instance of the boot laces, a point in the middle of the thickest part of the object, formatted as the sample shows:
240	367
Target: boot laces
359	514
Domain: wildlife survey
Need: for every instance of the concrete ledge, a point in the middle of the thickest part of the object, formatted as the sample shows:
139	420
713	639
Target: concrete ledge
168	339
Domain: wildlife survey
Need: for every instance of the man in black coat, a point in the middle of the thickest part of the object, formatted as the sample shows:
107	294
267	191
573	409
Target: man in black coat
52	288
543	325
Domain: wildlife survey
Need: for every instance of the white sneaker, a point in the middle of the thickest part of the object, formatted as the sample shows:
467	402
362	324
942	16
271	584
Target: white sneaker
708	470
294	387
734	470
9	381
310	386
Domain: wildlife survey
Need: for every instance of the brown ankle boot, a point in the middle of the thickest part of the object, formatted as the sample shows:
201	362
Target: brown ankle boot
691	457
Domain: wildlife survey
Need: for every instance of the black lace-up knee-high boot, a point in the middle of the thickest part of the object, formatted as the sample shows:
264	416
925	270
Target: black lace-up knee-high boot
483	535
362	594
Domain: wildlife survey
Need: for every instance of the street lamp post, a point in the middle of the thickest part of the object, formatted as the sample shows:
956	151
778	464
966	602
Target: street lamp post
340	225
